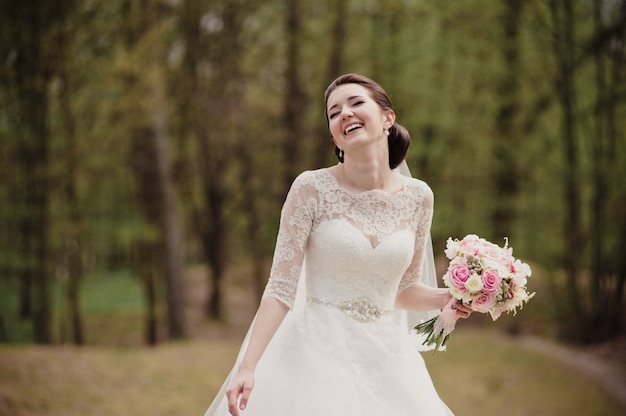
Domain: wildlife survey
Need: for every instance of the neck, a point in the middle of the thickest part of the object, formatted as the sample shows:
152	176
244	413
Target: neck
360	175
366	168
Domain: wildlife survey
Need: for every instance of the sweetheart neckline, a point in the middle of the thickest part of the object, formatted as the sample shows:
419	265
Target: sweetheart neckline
362	234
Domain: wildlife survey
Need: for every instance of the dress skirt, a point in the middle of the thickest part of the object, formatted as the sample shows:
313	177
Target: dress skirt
322	362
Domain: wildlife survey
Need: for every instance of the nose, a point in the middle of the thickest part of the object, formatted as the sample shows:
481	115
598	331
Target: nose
346	113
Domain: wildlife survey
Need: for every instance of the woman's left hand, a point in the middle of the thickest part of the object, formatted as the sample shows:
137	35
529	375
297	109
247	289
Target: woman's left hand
461	310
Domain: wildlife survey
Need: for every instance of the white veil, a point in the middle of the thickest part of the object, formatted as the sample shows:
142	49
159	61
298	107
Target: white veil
429	278
403	318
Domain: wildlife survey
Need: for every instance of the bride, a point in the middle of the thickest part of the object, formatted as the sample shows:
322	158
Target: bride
351	249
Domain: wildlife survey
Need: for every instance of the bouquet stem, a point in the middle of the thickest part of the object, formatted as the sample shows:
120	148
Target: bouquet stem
437	330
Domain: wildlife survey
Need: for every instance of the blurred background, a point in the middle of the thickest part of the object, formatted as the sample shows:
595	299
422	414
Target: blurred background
146	147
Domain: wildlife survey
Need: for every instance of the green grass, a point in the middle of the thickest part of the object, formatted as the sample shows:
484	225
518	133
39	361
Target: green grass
112	306
111	294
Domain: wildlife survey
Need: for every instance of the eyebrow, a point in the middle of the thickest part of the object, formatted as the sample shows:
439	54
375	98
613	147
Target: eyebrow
349	98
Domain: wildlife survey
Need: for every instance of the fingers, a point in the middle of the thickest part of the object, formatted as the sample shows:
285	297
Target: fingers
241	388
244	396
462	310
232	394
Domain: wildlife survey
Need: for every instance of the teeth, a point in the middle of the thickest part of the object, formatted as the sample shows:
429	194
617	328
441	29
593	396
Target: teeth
353	126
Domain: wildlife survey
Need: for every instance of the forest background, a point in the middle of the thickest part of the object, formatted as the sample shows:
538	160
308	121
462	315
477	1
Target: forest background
147	145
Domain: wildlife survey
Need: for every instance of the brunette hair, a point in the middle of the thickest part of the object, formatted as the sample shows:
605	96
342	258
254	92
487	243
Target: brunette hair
399	138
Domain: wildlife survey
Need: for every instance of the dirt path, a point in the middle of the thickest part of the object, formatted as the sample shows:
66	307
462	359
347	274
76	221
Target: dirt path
602	364
606	373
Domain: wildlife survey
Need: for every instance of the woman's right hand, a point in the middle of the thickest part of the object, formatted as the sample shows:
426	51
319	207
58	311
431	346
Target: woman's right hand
270	315
241	387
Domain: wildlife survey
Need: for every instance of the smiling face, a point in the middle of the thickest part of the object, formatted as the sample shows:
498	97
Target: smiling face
355	118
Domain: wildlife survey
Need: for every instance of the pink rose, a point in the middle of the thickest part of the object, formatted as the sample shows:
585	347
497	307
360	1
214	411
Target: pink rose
472	248
483	302
491	281
459	273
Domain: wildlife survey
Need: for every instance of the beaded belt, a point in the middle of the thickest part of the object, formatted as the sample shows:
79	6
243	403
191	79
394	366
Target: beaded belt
361	309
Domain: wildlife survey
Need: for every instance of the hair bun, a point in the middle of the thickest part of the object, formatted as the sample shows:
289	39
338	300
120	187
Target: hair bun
399	140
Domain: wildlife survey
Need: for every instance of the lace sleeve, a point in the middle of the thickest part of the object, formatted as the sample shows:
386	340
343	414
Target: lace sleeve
424	215
296	221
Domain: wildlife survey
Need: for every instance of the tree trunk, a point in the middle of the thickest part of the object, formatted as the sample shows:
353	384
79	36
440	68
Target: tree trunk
73	243
38	203
597	222
562	14
148	271
169	214
208	218
26	283
294	99
150	247
253	213
159	249
615	133
214	229
605	316
29	24
323	143
215	100
505	147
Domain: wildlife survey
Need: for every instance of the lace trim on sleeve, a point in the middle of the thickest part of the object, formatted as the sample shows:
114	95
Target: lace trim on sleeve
424	219
297	218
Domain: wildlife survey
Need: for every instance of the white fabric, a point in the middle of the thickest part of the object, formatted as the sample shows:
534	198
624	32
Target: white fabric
334	356
429	277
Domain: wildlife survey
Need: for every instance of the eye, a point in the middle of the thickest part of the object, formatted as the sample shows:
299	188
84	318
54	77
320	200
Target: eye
357	101
333	115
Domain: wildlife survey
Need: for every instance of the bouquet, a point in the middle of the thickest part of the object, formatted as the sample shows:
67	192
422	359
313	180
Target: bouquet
485	277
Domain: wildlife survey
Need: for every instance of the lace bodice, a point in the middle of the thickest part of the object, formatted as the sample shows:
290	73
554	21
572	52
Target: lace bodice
344	350
355	246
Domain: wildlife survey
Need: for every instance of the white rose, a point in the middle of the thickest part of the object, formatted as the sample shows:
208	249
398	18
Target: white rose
452	248
474	283
456	293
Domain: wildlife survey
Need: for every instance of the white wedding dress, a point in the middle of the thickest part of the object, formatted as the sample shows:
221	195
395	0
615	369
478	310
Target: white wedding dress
340	350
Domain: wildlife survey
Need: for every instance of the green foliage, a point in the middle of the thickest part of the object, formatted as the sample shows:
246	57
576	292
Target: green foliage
112	304
14	329
111	294
441	62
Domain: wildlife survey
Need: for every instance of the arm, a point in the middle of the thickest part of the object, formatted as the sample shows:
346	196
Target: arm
295	227
413	295
420	297
269	317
